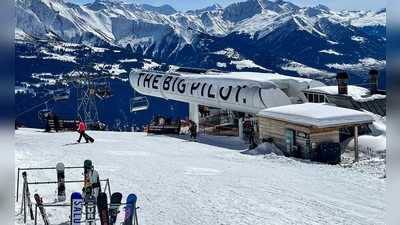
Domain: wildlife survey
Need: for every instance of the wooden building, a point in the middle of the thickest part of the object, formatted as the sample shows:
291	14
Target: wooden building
309	130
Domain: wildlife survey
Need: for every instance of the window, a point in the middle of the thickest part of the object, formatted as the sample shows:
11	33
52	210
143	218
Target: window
321	98
311	97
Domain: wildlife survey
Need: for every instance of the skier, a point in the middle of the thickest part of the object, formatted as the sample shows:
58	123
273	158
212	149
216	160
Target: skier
81	130
192	129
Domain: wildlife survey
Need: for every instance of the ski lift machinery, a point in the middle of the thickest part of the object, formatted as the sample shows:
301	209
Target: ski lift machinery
138	103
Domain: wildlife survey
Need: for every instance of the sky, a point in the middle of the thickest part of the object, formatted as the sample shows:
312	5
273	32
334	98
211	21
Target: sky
216	180
336	5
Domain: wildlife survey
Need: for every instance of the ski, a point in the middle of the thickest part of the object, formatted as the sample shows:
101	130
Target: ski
76	208
102	206
87	168
115	203
90	210
27	194
95	182
39	202
60	179
130	209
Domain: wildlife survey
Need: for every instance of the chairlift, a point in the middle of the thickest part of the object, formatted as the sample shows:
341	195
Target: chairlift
44	114
139	103
61	95
103	90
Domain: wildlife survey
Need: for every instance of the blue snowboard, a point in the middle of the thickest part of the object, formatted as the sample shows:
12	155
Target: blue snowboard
76	208
130	209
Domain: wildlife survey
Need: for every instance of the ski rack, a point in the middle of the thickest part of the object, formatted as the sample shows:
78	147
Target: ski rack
23	204
68	205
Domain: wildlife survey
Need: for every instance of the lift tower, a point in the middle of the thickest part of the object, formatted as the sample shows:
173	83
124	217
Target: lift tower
85	84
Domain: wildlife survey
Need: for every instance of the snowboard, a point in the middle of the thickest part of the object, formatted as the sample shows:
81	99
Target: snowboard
27	194
90	210
87	168
88	137
39	202
60	182
115	203
130	209
95	182
76	208
102	207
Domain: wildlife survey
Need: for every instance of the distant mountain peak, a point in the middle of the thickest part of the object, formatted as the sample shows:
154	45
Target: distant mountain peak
208	8
164	9
383	10
322	7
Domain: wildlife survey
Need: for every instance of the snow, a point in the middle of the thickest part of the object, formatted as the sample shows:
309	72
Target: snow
149	64
357	38
330	51
242	64
363	65
303	69
208	182
316	114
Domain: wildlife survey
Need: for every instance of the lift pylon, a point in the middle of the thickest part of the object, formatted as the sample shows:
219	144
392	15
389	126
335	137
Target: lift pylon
85	84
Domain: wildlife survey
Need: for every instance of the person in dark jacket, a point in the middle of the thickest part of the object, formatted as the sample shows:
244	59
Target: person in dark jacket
56	123
81	130
193	130
168	121
251	136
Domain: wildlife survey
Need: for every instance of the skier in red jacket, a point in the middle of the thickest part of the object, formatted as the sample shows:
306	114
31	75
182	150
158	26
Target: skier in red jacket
81	130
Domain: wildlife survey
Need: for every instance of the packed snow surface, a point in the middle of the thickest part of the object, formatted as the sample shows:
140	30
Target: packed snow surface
204	182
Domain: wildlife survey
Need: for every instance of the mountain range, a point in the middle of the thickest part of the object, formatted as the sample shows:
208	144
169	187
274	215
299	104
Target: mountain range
52	36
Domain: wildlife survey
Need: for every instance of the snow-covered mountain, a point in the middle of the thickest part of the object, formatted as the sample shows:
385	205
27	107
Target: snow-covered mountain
264	28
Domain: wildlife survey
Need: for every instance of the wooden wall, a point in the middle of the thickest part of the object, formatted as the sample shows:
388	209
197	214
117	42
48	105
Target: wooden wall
275	129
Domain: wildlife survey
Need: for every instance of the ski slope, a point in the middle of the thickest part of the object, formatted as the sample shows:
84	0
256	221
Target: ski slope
204	182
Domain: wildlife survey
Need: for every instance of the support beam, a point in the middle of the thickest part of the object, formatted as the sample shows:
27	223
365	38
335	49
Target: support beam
355	143
241	128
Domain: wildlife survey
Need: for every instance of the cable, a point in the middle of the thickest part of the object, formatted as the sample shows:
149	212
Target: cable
45	102
25	100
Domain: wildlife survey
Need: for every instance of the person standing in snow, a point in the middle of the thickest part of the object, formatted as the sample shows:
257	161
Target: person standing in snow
56	123
251	136
81	130
161	121
193	130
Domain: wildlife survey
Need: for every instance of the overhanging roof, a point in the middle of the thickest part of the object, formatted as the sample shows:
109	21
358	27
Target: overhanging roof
318	115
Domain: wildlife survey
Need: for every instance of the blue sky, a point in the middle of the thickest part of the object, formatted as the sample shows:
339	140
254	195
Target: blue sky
185	5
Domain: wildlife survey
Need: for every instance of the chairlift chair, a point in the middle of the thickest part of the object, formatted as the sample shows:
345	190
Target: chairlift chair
139	103
103	90
44	114
61	95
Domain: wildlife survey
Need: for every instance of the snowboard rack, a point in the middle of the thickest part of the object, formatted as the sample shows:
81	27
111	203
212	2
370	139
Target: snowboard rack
25	186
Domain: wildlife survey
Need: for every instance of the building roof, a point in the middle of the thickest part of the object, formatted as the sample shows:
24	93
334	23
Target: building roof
316	114
359	94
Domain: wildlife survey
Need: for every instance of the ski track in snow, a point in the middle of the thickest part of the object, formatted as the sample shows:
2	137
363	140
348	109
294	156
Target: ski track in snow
197	183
